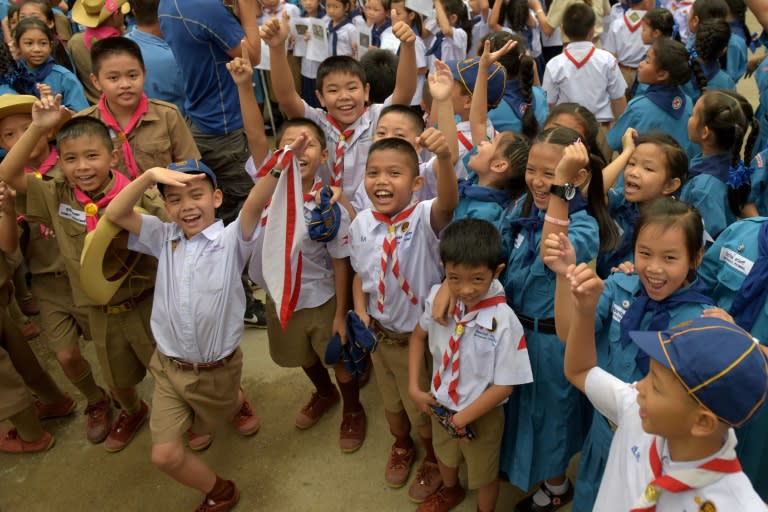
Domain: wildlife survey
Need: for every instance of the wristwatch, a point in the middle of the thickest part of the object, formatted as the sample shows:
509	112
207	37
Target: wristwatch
566	192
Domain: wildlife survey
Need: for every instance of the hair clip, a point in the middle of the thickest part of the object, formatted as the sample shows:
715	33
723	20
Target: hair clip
739	175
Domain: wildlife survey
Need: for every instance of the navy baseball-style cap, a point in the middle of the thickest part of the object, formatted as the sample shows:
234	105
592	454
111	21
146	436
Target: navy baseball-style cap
719	364
465	72
192	166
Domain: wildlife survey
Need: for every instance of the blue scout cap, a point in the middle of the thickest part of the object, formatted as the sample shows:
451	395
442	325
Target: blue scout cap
360	342
719	363
465	72
192	166
326	218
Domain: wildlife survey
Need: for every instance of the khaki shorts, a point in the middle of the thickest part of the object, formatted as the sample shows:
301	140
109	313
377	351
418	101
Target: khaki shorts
201	400
390	363
61	321
123	342
305	337
16	358
481	454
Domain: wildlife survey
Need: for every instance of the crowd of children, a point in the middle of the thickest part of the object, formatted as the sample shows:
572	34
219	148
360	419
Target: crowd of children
542	228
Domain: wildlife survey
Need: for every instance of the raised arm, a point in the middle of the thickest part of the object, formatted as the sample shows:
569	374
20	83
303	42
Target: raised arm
612	170
442	19
241	70
405	81
274	33
441	88
447	186
558	254
760	9
248	12
538	12
478	111
493	19
46	115
580	352
9	229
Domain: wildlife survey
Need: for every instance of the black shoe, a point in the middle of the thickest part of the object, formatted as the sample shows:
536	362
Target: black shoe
556	501
255	315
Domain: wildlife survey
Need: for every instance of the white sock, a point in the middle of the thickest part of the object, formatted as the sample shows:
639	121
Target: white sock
541	499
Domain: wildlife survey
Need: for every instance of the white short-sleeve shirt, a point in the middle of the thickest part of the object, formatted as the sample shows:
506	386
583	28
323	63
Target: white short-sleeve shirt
492	351
283	7
586	75
198	308
628	470
418	257
623	38
317	276
346	35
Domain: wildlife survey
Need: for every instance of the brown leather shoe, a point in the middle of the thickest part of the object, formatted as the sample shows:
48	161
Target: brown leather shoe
426	483
99	420
125	428
443	500
245	421
198	442
209	505
352	431
63	407
399	465
315	408
29	305
30	331
11	442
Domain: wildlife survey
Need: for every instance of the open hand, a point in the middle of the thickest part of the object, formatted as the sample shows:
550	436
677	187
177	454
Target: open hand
488	57
441	82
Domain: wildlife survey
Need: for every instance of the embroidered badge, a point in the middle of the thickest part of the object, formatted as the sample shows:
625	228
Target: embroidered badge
634	17
705	505
404	227
677	103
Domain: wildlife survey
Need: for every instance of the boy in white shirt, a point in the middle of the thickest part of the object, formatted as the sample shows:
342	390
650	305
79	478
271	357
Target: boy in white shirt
394	251
623	38
477	359
674	447
584	74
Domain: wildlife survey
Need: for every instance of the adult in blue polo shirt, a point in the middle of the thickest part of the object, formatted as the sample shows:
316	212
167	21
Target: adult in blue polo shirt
204	35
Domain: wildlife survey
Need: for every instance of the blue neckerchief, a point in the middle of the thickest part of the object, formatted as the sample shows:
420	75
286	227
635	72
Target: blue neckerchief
437	47
671	99
477	19
630	213
19	78
753	292
376	33
515	100
335	35
737	28
710	70
693	293
469	189
533	223
38	75
715	165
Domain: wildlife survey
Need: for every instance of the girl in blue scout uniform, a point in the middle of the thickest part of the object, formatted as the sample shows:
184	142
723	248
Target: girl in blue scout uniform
711	41
735	269
718	183
34	41
525	107
758	195
545	420
663	292
653	166
761	79
663	106
735	60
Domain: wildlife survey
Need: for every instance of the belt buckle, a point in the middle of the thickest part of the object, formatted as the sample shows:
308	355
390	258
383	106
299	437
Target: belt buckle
120	308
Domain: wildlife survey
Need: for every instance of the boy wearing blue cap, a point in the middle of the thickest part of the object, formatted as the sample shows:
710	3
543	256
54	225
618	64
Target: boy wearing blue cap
674	447
477	359
196	317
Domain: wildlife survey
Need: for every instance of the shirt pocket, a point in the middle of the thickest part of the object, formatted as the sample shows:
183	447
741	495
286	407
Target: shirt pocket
155	153
211	267
729	281
72	243
480	364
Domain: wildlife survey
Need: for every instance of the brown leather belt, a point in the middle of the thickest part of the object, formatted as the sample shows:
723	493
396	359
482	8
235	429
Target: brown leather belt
189	366
127	305
384	335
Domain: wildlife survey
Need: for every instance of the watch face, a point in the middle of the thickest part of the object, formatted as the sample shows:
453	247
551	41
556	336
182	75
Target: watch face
570	191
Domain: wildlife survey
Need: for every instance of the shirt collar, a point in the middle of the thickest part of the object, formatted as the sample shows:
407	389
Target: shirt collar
486	316
212	232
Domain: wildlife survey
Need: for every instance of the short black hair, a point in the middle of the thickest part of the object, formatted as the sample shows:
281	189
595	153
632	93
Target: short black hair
84	127
380	68
709	9
660	19
578	21
145	11
339	64
471	242
302	122
114	46
408	112
399	145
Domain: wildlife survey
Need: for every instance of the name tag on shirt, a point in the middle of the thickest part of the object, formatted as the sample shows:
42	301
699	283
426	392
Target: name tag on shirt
617	312
70	213
736	261
483	334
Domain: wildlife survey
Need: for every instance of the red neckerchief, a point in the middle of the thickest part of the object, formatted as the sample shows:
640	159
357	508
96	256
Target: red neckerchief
92	207
122	135
46	165
579	63
390	253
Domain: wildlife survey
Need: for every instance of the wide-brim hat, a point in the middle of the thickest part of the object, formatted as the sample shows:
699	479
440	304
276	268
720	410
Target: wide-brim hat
21	104
92	13
465	72
104	268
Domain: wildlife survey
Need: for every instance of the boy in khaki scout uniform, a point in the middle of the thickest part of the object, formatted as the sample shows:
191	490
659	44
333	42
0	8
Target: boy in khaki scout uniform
19	368
71	206
62	322
146	132
196	314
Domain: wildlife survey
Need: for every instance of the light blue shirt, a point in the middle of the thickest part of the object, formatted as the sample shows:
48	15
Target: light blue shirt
163	80
198	308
